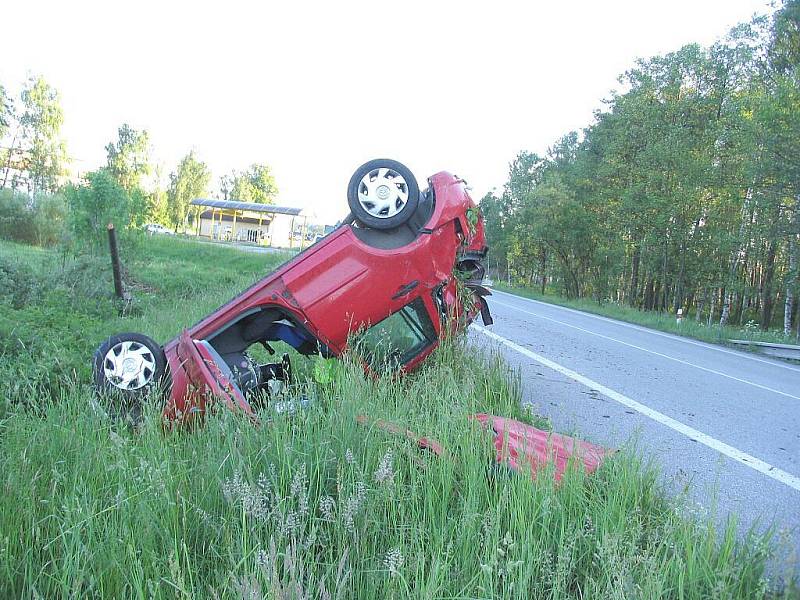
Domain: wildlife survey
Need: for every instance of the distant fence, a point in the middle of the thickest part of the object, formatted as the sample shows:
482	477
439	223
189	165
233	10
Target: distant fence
784	351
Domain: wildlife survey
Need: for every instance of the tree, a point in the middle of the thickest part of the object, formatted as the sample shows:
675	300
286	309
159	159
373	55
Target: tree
96	202
494	211
189	181
156	200
6	112
49	215
256	184
783	129
128	158
40	123
226	183
683	193
7	117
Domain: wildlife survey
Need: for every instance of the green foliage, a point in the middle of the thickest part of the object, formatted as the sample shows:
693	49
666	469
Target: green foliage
6	112
784	49
190	181
39	220
129	158
157	206
49	218
100	200
256	184
683	192
16	217
17	283
41	121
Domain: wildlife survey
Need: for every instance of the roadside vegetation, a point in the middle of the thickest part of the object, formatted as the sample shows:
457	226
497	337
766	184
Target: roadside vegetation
310	504
58	306
683	193
689	326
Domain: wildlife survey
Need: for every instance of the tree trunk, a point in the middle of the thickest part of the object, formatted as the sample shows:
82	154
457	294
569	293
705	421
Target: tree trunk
701	303
679	295
9	158
713	308
767	300
664	277
657	296
788	305
543	257
726	310
791	276
735	258
637	255
649	294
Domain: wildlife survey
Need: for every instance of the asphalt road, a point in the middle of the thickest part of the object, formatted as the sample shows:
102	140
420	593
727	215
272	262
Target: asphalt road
727	423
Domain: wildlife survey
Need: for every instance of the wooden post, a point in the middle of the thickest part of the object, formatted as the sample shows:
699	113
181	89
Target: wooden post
115	266
233	231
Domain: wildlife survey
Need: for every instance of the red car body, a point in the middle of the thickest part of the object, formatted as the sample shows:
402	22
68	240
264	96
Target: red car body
348	281
395	290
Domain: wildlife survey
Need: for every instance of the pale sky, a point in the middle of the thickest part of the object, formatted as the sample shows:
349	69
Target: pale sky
316	89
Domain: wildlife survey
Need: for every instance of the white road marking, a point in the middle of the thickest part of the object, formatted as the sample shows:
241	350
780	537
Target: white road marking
678	360
671	336
693	434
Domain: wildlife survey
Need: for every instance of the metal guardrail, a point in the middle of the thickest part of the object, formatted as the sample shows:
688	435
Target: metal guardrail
784	351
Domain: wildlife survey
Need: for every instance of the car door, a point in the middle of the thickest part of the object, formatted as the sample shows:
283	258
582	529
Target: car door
209	375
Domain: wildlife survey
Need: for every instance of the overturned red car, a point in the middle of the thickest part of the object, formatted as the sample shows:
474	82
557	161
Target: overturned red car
403	268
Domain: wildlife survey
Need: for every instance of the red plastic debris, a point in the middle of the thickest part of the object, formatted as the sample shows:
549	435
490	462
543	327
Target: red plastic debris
517	444
422	442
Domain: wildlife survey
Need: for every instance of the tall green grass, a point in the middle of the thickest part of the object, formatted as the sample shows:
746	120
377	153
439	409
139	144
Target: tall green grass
56	308
311	504
315	505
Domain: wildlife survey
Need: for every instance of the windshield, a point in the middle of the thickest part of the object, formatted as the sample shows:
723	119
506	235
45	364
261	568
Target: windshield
398	338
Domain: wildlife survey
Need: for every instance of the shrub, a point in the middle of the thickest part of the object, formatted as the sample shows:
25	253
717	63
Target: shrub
16	217
94	204
39	220
17	283
49	218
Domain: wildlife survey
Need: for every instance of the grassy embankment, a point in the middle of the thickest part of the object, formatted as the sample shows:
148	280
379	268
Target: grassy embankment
661	321
310	505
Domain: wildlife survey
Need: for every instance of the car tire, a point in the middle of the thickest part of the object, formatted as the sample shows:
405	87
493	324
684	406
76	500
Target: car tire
126	368
382	194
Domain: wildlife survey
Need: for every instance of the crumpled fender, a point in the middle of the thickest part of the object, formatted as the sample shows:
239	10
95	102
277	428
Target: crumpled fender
518	444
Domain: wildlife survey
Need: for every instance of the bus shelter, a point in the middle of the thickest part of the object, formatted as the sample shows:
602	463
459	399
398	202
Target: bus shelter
250	222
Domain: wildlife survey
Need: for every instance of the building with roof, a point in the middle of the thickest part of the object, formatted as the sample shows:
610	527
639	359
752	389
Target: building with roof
265	224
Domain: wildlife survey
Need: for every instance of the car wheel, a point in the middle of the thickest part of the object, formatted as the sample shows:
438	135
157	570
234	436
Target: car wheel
383	194
127	367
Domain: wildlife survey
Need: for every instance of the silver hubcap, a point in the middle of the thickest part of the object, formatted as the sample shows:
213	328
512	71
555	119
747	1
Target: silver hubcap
383	193
129	365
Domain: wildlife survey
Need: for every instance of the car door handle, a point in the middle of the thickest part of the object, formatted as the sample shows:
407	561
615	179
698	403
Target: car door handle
405	289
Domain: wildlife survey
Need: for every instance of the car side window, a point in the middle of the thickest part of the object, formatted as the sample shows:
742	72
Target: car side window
399	338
